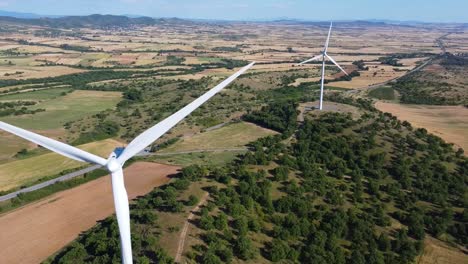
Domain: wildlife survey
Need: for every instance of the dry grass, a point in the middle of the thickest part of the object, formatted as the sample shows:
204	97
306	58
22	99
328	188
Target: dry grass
228	137
447	122
436	252
376	74
29	72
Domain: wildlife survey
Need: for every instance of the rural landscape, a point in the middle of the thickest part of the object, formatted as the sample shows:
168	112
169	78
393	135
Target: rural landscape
257	174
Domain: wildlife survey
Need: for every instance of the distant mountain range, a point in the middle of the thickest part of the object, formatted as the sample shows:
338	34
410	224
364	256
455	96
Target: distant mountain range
103	21
99	21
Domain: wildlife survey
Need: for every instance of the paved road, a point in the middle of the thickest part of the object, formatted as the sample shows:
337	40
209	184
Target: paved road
95	167
65	177
50	182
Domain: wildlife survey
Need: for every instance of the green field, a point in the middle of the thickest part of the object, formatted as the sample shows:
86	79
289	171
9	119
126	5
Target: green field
210	59
228	137
61	109
383	93
46	94
26	171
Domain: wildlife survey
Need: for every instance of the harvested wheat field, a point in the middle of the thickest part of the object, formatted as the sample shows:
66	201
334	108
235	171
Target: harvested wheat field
33	233
375	75
447	122
436	252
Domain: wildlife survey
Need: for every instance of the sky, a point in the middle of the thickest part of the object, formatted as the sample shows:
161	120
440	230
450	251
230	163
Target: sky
407	10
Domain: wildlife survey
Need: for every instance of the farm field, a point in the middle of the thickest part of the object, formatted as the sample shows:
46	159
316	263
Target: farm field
97	82
61	109
447	122
28	72
376	74
61	217
11	144
16	173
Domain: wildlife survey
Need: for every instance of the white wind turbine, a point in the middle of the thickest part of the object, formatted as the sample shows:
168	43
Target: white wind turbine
115	161
324	55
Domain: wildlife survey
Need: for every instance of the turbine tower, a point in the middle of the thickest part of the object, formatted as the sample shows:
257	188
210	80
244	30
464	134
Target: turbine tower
324	55
117	159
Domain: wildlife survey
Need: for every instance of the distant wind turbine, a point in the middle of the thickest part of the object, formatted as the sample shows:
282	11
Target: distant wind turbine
117	158
324	55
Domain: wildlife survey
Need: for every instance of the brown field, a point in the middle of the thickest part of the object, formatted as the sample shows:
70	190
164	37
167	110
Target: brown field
29	72
376	74
36	231
436	252
447	122
259	42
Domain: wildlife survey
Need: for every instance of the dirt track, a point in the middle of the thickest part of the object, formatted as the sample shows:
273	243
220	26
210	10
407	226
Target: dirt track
183	234
36	231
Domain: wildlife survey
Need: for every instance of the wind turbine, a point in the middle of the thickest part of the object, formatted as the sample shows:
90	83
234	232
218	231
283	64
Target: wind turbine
117	159
324	55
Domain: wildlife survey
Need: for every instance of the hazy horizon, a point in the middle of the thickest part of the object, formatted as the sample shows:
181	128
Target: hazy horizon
398	10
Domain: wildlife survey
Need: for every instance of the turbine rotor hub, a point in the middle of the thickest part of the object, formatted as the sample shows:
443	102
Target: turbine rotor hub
113	165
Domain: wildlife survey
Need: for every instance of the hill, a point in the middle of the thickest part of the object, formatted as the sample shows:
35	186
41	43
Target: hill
93	21
335	189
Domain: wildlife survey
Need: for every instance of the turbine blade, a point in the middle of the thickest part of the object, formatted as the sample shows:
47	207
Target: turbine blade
55	146
122	212
328	38
337	65
150	135
309	60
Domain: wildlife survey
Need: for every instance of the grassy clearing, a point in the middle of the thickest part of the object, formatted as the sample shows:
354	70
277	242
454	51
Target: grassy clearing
45	94
231	136
10	145
60	110
436	252
21	172
172	223
204	158
383	93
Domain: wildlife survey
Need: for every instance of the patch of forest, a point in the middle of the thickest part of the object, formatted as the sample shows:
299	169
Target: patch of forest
330	190
416	89
18	108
